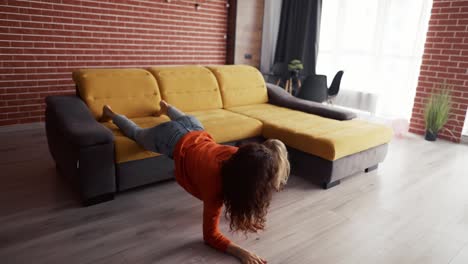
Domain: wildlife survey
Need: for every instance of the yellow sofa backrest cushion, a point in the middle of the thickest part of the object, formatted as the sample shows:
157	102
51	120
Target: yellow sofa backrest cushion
240	85
189	88
131	92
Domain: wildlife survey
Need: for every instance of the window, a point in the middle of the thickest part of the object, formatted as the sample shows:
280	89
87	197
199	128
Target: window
379	44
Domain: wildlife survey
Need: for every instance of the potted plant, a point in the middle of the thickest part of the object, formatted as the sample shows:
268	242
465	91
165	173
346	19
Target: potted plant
437	111
295	66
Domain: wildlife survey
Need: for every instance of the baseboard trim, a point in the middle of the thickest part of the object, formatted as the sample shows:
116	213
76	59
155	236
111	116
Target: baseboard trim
21	127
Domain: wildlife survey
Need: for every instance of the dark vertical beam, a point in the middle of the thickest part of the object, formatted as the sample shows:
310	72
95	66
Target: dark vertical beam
231	32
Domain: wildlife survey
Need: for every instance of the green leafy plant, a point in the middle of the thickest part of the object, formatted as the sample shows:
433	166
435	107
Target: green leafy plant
295	65
437	110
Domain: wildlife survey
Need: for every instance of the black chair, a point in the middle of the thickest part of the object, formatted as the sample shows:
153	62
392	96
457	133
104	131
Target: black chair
315	88
279	74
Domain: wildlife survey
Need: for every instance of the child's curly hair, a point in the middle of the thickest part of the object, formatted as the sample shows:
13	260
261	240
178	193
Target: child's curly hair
248	180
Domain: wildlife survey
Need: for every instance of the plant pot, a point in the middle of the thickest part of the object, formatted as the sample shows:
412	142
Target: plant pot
430	136
294	73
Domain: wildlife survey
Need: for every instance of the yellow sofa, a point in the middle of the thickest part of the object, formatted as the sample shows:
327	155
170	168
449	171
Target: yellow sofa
232	102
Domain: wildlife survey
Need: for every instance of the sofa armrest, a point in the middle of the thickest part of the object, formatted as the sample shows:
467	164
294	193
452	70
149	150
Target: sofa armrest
82	148
278	96
76	122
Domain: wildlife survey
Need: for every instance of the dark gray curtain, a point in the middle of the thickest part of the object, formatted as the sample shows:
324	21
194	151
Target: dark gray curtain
298	35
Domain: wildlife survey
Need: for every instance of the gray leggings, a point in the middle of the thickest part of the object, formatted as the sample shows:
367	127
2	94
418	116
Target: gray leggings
161	138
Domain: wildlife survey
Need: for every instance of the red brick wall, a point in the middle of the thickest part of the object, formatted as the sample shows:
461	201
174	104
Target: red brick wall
42	42
445	58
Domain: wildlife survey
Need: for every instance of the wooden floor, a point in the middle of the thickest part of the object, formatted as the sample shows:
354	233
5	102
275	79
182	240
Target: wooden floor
413	209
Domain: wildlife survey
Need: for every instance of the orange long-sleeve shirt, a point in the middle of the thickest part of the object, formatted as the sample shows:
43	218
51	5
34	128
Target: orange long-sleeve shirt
198	160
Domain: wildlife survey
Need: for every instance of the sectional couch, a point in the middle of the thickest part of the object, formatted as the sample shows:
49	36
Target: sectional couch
232	102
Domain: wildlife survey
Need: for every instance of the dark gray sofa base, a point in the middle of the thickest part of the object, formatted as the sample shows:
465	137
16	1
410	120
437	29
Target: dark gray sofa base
99	199
319	171
136	173
328	173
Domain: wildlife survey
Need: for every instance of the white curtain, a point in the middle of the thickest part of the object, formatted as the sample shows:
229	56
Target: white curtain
379	45
271	20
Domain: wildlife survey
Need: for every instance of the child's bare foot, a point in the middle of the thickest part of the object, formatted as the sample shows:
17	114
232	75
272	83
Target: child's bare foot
107	113
164	106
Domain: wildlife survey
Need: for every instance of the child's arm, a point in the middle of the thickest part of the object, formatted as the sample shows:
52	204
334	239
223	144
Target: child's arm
244	255
211	233
214	238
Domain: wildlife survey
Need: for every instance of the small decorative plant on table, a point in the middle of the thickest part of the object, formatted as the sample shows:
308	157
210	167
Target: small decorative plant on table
437	111
294	67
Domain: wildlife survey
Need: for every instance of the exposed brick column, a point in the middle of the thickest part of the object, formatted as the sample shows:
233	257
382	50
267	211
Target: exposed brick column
42	42
445	59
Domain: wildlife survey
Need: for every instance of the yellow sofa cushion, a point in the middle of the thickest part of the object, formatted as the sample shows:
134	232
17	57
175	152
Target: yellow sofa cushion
226	126
189	88
132	92
327	138
125	148
223	125
240	85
